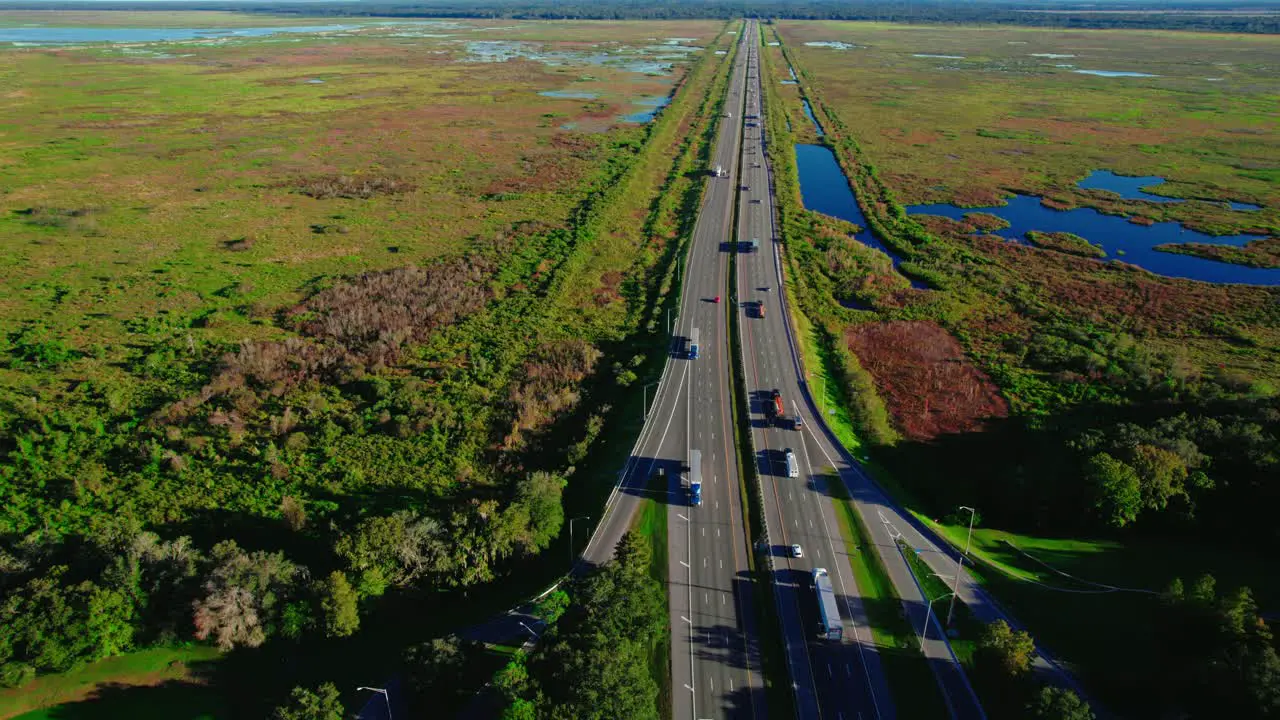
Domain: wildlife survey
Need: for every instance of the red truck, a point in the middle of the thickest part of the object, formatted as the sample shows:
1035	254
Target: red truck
775	408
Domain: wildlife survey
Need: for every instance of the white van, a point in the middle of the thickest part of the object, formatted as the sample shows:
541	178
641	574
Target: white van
793	467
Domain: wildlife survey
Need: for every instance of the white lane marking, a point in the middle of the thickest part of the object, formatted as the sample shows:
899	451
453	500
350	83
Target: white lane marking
722	564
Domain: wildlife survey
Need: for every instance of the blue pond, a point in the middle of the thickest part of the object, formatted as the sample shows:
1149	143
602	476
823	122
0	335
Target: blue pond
824	189
1120	238
569	94
63	35
654	104
1130	188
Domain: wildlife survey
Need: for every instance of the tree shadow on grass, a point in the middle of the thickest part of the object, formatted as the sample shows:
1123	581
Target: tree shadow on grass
170	700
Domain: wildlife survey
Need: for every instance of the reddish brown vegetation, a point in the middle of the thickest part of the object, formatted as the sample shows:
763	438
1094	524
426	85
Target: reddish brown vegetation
358	324
927	382
1117	294
977	197
1057	203
1065	242
1141	220
985	222
1258	253
548	385
361	187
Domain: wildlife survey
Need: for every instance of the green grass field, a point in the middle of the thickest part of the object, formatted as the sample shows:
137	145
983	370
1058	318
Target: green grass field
155	683
1008	112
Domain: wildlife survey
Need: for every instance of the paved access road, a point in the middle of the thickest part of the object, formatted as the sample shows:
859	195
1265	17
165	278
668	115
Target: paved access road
715	655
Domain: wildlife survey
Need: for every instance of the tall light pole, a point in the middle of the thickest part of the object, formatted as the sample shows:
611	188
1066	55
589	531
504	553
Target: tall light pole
924	631
528	629
955	584
571	521
385	696
644	413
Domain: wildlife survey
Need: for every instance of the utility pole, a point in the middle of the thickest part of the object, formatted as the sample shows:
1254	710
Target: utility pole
385	696
955	584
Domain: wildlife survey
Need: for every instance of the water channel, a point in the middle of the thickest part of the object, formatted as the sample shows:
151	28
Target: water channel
824	189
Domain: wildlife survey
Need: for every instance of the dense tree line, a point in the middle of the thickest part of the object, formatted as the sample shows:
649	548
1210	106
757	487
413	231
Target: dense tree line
1217	656
1034	14
1002	672
1148	448
595	661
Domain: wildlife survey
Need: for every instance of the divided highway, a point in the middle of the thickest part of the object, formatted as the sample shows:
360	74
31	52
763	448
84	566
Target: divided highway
832	678
715	651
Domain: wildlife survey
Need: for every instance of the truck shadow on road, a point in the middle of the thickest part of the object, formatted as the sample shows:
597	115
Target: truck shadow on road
657	479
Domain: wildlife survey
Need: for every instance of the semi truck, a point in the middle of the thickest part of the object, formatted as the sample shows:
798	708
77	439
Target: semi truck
693	479
693	344
775	409
828	611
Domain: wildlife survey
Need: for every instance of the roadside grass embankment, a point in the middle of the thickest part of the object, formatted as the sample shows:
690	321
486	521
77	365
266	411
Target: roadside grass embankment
915	690
651	523
167	678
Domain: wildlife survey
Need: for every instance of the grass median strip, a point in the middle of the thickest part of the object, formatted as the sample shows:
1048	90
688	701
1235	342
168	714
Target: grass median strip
915	691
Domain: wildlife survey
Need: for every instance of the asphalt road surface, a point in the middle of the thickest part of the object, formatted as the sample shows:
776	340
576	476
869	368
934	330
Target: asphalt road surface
715	662
833	678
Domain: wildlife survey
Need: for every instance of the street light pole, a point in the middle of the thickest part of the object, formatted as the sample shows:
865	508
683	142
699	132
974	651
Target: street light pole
955	584
528	629
385	696
571	520
644	413
924	631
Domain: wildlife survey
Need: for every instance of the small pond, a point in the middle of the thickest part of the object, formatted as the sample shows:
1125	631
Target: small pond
654	104
1121	239
570	94
1130	188
1113	73
824	189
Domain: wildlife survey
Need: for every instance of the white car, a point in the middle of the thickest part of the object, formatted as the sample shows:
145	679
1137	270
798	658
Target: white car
797	551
